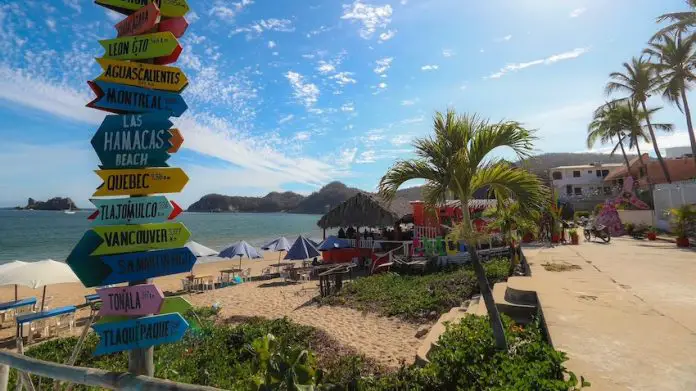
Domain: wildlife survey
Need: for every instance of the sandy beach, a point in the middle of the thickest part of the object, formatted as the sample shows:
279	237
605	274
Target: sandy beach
386	340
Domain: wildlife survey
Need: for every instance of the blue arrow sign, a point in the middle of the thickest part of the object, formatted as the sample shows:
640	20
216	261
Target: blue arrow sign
120	98
115	269
133	141
139	333
134	210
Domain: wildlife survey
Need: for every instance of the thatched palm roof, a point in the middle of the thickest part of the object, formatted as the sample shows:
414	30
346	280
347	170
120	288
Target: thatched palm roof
366	210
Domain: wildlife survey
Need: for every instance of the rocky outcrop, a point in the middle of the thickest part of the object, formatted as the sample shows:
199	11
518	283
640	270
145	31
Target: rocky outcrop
272	202
56	203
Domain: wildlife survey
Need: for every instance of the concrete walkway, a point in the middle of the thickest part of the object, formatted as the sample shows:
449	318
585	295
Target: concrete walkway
627	317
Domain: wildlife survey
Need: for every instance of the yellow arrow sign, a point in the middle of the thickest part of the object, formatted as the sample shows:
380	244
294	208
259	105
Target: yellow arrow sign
168	8
141	181
118	239
142	75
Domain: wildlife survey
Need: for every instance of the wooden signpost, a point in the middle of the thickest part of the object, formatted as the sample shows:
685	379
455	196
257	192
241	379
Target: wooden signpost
170	305
133	239
130	300
168	8
141	182
118	98
139	333
142	75
140	210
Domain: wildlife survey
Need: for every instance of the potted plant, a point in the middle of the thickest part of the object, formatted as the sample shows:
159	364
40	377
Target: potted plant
574	238
652	233
682	220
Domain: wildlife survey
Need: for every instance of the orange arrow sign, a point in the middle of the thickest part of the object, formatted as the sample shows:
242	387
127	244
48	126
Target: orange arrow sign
176	140
139	22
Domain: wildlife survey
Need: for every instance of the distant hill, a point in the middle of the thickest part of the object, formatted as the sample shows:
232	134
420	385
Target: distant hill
56	203
334	193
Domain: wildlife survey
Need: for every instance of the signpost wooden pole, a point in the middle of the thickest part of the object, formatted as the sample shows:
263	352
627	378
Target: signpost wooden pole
141	361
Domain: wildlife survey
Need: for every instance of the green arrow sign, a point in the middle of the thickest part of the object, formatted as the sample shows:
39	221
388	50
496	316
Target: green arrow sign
171	305
142	47
119	239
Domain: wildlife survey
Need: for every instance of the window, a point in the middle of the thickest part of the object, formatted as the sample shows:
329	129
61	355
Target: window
569	189
605	173
578	191
576	174
599	173
607	191
557	175
589	171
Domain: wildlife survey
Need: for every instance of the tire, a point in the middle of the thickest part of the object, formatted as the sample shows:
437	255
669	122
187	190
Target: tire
588	235
606	237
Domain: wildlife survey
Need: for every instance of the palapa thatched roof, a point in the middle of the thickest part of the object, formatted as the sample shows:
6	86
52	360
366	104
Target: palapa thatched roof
366	210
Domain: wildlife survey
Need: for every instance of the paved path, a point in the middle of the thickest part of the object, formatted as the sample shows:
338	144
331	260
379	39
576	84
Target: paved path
627	318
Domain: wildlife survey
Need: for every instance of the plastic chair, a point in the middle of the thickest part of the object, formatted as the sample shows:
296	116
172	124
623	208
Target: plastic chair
246	274
209	283
185	284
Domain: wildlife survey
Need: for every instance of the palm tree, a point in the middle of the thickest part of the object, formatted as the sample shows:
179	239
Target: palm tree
509	216
456	160
675	64
639	82
606	126
680	21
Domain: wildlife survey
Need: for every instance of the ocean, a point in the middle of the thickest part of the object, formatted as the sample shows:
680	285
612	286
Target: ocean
37	235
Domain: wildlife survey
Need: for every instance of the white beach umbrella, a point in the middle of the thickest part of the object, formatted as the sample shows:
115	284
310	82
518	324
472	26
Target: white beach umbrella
9	266
38	274
200	250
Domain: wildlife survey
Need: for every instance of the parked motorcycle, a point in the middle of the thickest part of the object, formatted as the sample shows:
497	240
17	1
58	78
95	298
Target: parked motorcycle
598	230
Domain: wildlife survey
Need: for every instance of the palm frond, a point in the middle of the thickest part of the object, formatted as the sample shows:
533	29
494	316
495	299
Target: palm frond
510	134
403	171
506	179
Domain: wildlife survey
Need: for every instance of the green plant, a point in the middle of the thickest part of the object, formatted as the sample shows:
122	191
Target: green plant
683	220
598	209
573	233
580	214
456	160
414	298
652	230
279	367
629	227
509	217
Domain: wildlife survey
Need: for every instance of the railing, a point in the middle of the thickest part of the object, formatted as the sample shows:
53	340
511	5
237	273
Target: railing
389	254
85	376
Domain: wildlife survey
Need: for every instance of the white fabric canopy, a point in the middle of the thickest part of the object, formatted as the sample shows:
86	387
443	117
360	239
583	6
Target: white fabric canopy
200	250
37	274
5	267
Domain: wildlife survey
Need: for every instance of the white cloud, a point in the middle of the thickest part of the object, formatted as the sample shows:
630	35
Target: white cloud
366	157
575	53
257	28
371	17
387	35
51	23
73	4
507	37
402	139
430	67
305	93
346	156
271	44
302	136
325	67
409	102
464	87
577	12
382	65
403	2
413	120
227	11
285	119
114	16
191	17
481	51
348	107
382	85
447	53
344	78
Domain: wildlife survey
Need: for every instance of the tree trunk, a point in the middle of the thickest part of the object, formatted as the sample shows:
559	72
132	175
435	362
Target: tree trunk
689	125
493	314
623	152
654	140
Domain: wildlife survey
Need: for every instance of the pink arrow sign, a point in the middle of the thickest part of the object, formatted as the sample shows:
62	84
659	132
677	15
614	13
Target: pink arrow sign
176	26
131	300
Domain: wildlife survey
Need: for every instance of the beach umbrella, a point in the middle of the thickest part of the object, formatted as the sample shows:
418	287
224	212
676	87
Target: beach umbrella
9	266
200	250
240	249
333	242
280	244
38	274
301	249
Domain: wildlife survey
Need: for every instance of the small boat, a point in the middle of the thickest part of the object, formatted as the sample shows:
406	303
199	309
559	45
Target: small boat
69	211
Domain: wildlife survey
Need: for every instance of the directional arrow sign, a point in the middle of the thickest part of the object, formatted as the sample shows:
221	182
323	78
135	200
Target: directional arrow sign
176	140
133	141
139	22
168	8
115	269
170	305
140	182
117	239
137	210
163	47
142	75
176	26
119	98
131	300
139	333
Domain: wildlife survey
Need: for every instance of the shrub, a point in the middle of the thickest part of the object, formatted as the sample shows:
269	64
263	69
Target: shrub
598	209
579	214
415	297
629	227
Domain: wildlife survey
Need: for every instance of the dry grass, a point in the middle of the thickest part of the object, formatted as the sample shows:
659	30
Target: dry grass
560	267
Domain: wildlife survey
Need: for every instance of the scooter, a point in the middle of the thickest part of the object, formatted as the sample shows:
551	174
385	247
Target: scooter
599	231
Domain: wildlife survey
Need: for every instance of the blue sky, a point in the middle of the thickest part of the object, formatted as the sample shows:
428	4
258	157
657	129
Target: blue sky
289	95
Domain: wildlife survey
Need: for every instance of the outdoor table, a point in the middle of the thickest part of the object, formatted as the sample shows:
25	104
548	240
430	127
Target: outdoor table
27	319
92	298
198	279
228	273
6	308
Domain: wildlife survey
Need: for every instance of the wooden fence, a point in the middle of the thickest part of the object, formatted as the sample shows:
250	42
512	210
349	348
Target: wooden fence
85	376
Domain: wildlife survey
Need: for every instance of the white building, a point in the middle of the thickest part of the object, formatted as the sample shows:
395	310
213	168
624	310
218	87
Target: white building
677	152
582	181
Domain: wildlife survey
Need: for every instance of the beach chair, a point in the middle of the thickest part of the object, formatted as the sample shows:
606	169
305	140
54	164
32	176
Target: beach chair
246	274
266	272
209	283
186	284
